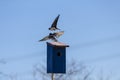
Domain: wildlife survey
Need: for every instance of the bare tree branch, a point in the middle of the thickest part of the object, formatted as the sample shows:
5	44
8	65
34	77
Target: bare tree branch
74	69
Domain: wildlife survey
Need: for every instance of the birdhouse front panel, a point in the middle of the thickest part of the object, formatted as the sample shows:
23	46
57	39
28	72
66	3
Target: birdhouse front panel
59	60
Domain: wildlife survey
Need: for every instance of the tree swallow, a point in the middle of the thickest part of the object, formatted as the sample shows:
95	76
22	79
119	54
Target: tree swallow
53	36
54	24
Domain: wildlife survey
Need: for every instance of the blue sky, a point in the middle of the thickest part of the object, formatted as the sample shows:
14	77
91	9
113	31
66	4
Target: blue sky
92	29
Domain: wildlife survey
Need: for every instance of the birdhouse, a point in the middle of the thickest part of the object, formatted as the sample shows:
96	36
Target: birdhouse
56	57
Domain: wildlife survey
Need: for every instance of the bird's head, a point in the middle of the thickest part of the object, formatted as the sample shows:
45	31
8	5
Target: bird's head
49	28
50	34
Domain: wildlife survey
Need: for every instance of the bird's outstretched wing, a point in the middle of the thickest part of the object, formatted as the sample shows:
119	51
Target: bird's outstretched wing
58	34
54	24
44	39
50	36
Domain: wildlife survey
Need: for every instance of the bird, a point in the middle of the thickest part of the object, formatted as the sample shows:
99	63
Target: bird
53	36
54	24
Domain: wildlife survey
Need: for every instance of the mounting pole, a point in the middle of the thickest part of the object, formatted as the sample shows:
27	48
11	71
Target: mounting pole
52	76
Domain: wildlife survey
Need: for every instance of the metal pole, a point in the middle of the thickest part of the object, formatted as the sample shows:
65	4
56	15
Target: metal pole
52	76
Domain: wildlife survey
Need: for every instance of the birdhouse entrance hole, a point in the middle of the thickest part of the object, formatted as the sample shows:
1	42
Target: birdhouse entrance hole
59	54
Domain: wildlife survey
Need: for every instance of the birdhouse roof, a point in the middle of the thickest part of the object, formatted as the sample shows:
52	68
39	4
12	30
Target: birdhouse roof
57	44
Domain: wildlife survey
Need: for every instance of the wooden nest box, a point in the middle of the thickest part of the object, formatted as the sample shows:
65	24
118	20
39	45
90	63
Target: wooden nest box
56	57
